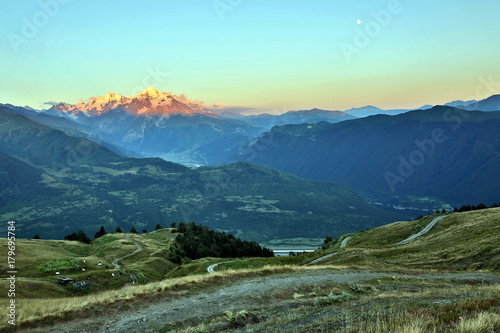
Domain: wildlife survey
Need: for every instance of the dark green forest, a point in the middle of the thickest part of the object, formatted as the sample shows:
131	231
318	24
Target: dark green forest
198	241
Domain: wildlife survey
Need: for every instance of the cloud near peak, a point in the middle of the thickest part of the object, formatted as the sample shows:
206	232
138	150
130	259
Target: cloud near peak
219	108
52	103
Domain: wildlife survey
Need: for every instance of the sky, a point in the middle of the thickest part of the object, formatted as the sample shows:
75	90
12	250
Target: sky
267	55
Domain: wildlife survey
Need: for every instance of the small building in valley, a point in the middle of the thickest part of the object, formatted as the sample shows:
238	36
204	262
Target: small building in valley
81	285
65	280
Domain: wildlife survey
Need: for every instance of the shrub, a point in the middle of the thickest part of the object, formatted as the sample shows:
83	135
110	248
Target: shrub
61	265
362	288
80	236
241	318
331	299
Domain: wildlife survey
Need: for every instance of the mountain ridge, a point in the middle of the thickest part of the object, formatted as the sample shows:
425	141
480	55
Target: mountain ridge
148	102
158	124
454	154
491	103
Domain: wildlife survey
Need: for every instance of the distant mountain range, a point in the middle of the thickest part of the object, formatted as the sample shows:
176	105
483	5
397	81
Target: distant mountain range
370	110
150	102
175	128
53	183
491	103
443	152
158	124
267	121
356	147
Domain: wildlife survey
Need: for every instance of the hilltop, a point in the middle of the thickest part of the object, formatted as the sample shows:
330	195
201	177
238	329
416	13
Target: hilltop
38	260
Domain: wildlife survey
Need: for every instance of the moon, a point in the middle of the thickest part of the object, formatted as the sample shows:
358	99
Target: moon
359	21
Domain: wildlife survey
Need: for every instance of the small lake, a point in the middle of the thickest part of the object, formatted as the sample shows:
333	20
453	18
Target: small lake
286	252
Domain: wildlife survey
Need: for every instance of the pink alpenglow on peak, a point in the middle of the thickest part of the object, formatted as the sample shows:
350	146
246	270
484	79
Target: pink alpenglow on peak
152	92
150	102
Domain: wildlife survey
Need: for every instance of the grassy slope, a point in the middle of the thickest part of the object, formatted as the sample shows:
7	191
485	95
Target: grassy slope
469	240
460	241
149	265
412	305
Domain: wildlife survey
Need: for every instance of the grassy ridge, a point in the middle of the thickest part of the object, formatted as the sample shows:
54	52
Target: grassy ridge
460	241
38	260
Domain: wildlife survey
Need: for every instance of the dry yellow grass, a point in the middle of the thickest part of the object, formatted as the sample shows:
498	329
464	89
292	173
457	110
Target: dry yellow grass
432	291
33	310
402	323
483	322
416	322
460	241
447	307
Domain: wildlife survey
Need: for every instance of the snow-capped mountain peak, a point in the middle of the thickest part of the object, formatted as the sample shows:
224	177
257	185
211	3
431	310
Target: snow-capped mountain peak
151	92
149	102
111	97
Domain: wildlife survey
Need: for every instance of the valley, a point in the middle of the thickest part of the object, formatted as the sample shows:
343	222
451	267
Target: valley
77	184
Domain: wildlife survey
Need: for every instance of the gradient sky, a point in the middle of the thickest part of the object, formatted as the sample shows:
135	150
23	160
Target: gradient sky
270	55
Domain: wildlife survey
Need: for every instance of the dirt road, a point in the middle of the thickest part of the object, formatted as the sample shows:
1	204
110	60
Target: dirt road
243	294
422	232
117	265
344	242
211	268
409	239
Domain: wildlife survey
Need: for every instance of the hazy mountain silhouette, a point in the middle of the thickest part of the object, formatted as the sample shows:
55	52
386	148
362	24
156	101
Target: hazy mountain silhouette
443	152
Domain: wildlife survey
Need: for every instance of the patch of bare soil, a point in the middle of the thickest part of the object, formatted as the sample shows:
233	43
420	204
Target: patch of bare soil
204	303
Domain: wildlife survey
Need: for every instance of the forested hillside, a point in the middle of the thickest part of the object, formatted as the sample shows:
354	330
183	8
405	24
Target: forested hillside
442	152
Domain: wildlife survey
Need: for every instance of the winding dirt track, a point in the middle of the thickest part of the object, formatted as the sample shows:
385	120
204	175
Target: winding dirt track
117	265
404	241
342	245
344	242
211	268
422	232
245	293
